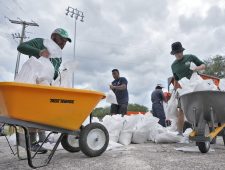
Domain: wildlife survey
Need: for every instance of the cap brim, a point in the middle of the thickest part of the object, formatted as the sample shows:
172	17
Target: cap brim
69	40
178	51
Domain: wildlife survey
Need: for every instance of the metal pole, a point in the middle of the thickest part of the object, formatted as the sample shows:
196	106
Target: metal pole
76	14
18	55
74	50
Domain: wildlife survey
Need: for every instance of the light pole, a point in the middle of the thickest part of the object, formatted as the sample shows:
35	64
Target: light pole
74	13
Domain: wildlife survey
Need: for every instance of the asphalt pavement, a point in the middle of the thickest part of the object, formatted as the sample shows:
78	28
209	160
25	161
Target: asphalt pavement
135	156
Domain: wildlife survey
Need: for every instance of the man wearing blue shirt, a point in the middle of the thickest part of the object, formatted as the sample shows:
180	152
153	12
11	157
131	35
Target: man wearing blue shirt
119	87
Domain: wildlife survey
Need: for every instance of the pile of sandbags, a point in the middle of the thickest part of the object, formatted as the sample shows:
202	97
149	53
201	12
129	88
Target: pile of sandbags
138	129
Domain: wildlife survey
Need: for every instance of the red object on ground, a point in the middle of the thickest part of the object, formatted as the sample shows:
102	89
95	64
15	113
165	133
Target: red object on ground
134	113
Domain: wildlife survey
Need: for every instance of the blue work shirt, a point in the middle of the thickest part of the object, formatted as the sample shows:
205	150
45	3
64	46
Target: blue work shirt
157	96
121	95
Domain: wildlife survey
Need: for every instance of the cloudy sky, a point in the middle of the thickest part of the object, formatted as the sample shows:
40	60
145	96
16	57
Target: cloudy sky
134	36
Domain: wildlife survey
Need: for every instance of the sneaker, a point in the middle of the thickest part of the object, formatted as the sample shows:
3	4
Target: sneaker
36	148
41	141
2	132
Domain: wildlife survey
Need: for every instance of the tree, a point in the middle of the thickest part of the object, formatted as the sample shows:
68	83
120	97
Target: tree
137	108
215	66
100	112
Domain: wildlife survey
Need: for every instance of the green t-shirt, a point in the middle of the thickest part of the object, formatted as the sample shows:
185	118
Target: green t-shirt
33	48
181	68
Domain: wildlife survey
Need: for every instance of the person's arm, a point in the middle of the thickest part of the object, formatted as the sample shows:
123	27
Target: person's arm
33	48
123	85
175	82
200	65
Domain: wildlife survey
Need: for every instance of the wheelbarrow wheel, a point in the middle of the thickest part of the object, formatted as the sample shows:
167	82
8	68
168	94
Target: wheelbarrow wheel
94	139
70	143
203	146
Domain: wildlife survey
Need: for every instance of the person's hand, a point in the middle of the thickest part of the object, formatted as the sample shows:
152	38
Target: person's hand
111	87
44	53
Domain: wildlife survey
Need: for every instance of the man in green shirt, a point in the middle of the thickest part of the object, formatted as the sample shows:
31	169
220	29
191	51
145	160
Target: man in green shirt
181	69
36	48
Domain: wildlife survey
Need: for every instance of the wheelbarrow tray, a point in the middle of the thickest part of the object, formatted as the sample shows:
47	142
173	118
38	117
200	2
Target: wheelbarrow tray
65	108
204	105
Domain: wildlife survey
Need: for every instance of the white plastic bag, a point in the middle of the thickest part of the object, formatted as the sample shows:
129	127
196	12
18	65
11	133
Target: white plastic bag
222	84
171	109
125	137
113	145
192	66
54	50
140	134
45	74
205	85
36	71
154	131
64	79
111	97
168	137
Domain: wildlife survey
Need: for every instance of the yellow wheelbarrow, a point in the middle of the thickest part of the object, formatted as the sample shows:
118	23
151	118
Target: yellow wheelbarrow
55	109
205	110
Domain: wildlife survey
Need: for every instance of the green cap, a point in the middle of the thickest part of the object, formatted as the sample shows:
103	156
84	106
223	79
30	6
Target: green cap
63	33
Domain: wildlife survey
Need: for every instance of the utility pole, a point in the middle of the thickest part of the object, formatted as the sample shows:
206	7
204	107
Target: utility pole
74	13
24	25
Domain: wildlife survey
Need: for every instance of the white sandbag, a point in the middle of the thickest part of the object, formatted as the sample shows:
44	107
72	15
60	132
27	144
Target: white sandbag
54	50
173	126
65	76
114	125
129	125
196	83
168	137
113	145
149	119
205	85
222	84
46	71
187	85
171	109
130	122
28	74
36	71
154	131
111	97
187	132
139	136
64	79
125	137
